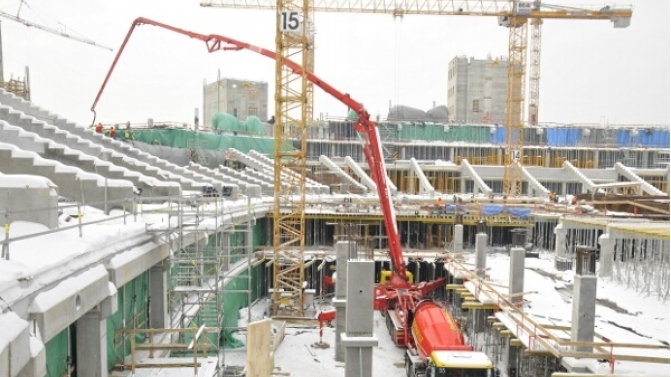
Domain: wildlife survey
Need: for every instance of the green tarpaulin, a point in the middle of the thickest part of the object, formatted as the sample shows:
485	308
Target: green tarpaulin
179	138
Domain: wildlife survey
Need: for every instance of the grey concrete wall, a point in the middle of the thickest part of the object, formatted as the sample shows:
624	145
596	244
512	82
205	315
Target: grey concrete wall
34	204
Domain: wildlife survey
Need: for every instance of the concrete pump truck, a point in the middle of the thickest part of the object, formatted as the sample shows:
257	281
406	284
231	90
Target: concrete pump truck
434	342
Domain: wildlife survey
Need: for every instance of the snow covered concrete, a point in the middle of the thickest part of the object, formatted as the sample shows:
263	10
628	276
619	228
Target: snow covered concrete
622	315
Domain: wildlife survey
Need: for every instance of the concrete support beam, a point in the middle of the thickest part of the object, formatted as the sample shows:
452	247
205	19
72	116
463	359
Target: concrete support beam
92	344
584	306
645	186
335	169
538	189
516	277
587	184
425	186
458	238
466	168
606	255
359	339
365	178
345	250
480	254
158	291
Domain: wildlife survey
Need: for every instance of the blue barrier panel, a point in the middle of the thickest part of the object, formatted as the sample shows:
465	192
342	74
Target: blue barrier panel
499	135
563	137
654	138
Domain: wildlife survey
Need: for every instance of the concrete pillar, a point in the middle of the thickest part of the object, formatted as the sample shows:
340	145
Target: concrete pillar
158	303
458	238
606	255
359	339
584	304
516	278
480	254
510	356
562	263
596	159
548	157
92	344
345	250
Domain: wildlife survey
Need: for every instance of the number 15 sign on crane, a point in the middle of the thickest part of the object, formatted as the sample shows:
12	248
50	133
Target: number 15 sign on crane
291	22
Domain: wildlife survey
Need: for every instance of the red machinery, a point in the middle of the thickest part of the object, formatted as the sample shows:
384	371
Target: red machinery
440	348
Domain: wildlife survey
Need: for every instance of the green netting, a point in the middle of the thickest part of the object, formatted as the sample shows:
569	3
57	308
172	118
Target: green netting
226	122
57	354
132	301
439	132
254	125
259	233
179	138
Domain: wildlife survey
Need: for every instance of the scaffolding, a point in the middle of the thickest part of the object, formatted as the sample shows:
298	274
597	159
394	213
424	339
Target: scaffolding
206	273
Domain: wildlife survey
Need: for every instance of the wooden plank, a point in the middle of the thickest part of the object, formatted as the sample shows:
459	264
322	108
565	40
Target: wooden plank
260	362
478	306
516	342
167	365
148	347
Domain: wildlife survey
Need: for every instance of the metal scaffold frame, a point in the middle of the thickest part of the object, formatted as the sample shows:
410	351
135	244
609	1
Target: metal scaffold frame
201	271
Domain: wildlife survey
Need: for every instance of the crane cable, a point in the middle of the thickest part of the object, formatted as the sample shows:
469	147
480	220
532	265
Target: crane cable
398	40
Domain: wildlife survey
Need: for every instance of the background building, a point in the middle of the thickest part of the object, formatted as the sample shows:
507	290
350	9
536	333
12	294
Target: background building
477	90
240	98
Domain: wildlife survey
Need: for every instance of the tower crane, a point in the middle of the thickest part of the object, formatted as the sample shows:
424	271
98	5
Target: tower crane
514	14
47	29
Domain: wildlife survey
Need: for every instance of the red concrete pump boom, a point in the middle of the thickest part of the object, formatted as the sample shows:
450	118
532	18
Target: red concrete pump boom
372	148
398	295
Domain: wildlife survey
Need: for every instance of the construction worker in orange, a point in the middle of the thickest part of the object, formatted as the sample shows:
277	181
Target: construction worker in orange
113	132
99	128
439	202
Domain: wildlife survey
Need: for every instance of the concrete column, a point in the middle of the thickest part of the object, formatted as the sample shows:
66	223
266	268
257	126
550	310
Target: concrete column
606	255
359	339
548	156
480	254
516	278
596	159
561	259
345	250
510	356
584	304
158	290
458	238
92	344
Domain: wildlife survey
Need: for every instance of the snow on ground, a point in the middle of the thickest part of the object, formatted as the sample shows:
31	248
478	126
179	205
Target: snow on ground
295	355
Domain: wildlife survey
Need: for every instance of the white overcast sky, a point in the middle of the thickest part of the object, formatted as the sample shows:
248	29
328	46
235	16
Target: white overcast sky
590	71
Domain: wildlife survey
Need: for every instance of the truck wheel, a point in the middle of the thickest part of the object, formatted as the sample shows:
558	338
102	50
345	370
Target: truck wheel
409	372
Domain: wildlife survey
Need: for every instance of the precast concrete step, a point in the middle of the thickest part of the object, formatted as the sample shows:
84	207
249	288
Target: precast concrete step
73	183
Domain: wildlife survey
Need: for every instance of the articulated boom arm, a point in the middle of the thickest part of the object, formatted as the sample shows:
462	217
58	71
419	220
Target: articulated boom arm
372	148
